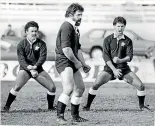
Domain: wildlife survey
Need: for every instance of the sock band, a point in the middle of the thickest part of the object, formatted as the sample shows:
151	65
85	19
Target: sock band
12	91
50	93
92	91
64	98
75	100
141	93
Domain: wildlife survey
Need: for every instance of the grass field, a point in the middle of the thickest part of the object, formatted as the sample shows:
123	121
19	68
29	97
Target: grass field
115	105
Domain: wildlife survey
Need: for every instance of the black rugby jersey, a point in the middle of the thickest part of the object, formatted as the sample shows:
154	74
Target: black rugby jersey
31	54
67	38
111	48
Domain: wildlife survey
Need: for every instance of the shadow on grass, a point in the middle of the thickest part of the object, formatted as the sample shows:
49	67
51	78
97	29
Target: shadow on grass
121	110
29	111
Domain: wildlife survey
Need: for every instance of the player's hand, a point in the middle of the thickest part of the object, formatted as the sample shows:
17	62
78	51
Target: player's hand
78	65
34	73
117	73
86	68
34	67
30	67
116	60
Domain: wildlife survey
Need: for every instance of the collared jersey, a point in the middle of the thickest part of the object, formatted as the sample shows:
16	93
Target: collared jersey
67	37
112	47
31	54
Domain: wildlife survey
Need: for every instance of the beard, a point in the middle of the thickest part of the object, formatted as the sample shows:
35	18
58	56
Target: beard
78	23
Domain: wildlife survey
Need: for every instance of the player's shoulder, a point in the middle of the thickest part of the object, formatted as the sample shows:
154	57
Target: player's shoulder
127	38
40	41
108	38
22	42
66	25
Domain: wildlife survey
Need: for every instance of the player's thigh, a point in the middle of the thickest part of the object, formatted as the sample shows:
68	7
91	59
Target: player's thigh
21	79
45	80
102	78
67	79
79	84
134	80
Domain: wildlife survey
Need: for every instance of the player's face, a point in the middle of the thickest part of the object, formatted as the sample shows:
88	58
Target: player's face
32	33
119	28
77	17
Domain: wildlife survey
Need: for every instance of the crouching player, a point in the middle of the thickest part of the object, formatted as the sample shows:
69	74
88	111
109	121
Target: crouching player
117	51
32	54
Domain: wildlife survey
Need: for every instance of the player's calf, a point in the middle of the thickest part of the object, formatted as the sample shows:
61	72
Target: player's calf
61	106
91	96
50	99
75	103
11	98
141	98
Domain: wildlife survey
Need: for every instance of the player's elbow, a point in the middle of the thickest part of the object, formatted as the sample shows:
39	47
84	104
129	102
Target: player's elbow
67	52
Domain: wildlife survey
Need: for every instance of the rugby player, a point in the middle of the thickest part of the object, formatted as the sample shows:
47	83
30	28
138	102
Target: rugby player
117	52
32	53
69	60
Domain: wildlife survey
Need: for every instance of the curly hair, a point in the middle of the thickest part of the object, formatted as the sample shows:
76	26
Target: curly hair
120	20
73	8
31	24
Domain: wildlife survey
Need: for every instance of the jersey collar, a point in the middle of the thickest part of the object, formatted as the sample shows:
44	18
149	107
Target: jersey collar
122	37
70	21
30	41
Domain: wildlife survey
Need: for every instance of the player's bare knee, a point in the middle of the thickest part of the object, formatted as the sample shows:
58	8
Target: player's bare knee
52	89
96	86
17	88
79	91
68	91
142	87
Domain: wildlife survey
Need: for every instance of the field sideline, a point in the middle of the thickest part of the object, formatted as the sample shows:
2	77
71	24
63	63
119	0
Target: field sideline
115	105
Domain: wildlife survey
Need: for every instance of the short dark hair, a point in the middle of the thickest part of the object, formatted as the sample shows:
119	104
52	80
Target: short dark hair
120	20
73	8
31	24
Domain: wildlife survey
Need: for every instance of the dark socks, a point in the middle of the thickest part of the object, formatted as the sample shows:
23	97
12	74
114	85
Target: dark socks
74	110
60	109
50	99
10	99
90	100
141	100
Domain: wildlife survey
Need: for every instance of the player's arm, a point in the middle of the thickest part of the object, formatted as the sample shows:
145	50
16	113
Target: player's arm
123	60
80	57
42	55
129	51
106	54
21	56
66	34
86	68
68	52
108	60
